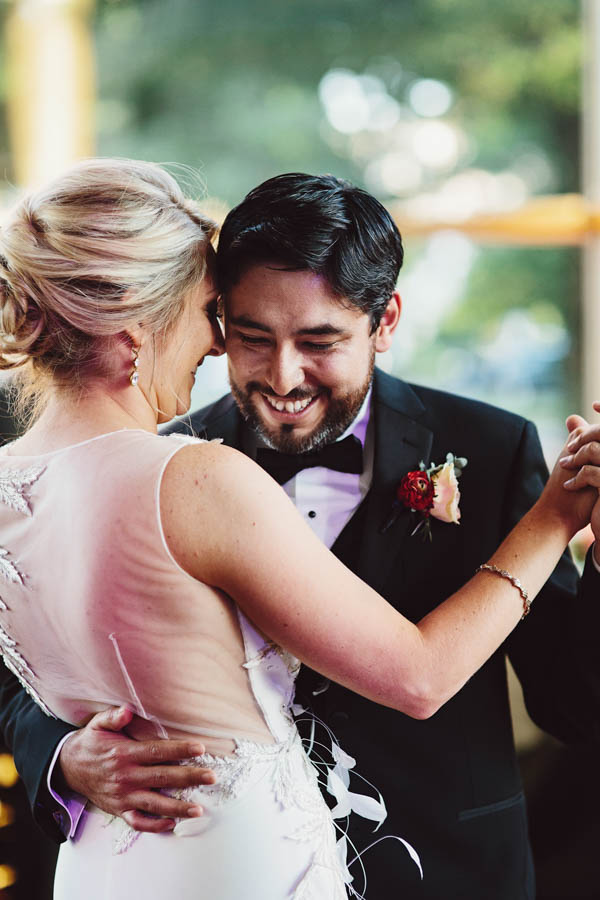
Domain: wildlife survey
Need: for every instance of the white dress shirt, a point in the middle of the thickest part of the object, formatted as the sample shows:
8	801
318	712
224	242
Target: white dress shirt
327	499
72	804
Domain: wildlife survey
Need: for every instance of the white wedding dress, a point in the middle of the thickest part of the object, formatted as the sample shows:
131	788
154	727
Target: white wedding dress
94	611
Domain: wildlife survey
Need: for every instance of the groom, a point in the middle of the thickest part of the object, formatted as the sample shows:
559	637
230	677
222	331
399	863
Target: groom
303	383
300	382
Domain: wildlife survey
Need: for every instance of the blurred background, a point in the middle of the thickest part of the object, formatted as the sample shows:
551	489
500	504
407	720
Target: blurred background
476	124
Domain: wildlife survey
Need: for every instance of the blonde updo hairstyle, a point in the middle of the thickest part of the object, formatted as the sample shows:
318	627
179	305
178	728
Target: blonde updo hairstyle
109	245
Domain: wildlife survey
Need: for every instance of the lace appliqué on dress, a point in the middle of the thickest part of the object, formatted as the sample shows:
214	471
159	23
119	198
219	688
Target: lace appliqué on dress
233	774
8	569
13	483
291	662
27	687
294	784
12	487
272	672
126	837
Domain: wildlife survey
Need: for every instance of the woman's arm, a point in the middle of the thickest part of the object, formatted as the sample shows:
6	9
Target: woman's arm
229	525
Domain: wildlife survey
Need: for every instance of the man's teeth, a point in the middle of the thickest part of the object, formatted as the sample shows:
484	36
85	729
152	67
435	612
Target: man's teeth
289	406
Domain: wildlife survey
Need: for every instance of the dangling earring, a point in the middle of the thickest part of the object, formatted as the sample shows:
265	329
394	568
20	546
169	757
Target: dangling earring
134	375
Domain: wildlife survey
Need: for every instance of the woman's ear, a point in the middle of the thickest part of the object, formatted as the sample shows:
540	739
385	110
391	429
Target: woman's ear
127	346
134	336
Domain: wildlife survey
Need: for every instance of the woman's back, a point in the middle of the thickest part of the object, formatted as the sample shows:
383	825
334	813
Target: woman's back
96	611
100	612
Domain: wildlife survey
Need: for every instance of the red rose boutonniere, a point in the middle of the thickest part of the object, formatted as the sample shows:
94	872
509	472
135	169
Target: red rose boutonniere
416	491
430	491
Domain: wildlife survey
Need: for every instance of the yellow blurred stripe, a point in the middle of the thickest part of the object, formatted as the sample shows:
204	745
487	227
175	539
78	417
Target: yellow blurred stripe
8	774
7	814
561	219
8	876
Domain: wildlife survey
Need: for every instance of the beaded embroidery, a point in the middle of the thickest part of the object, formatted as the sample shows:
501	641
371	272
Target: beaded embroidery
8	646
292	778
20	668
8	569
13	483
233	774
12	487
27	687
291	662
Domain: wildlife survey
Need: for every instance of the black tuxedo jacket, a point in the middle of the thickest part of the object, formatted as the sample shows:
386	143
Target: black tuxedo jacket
451	783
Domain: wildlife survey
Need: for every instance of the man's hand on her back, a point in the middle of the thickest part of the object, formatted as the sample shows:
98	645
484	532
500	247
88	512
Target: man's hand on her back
124	777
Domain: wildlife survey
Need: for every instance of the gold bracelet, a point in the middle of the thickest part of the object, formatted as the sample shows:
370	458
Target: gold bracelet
488	567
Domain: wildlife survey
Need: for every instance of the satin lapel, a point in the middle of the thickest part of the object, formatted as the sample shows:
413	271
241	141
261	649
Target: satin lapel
401	442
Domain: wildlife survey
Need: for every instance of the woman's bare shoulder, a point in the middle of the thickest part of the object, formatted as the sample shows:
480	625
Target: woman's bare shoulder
210	464
212	496
209	483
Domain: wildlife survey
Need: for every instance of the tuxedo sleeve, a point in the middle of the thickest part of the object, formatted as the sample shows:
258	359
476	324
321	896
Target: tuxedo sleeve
554	651
32	737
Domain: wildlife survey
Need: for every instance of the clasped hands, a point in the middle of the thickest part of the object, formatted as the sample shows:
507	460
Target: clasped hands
582	458
127	778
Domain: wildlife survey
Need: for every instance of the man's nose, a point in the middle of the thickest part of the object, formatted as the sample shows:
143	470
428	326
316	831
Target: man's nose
285	371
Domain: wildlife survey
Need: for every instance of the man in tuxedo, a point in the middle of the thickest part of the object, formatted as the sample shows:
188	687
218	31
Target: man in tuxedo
308	268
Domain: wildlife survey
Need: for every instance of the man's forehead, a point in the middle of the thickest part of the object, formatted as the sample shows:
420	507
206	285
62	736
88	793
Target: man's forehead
272	293
283	278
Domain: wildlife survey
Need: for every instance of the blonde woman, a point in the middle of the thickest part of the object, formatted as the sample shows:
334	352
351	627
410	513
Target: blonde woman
175	575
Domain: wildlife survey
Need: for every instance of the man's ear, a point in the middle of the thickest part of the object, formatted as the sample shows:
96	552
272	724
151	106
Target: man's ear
388	324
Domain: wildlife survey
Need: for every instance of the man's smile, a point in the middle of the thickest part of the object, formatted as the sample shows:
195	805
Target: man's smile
286	408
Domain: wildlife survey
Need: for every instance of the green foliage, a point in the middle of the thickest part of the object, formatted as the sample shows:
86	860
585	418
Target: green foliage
231	89
503	278
233	85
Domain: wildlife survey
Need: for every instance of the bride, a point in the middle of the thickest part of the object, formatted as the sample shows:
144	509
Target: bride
174	574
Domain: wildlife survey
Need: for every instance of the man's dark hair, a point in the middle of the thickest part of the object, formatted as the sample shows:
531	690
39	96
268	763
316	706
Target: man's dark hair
320	223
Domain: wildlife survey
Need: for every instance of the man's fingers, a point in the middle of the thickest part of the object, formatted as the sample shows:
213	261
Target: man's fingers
575	421
587	476
168	778
582	436
112	719
161	805
147	753
141	822
589	453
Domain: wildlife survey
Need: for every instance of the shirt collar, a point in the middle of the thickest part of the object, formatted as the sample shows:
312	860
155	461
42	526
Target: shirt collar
358	427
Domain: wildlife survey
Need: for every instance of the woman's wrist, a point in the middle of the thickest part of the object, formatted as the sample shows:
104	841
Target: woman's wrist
548	523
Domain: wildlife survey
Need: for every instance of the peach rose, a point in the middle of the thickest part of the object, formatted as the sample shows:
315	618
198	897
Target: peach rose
447	495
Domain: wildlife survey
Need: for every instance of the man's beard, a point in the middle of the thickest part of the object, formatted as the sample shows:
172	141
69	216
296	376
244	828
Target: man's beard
341	412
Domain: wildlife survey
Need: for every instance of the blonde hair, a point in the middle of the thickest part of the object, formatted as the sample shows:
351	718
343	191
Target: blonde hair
110	244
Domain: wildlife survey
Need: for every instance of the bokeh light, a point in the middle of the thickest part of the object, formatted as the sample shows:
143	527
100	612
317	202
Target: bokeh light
429	97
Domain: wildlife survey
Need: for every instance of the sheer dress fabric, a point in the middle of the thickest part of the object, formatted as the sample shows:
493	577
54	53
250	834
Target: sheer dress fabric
94	611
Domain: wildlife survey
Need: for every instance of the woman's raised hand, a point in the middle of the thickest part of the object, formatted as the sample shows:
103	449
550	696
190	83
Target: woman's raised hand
580	460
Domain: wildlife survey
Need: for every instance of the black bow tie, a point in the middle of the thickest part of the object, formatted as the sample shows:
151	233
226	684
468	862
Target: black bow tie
343	456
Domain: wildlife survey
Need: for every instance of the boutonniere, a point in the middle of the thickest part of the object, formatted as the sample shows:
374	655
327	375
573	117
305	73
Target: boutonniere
429	491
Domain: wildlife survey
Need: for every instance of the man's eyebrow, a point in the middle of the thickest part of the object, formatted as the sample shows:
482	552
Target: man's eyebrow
325	329
247	322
